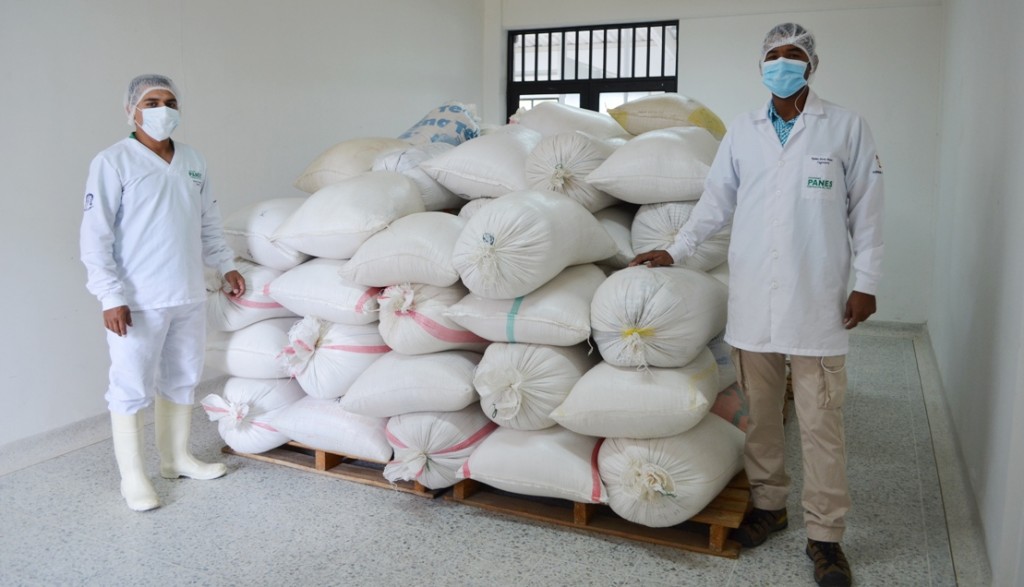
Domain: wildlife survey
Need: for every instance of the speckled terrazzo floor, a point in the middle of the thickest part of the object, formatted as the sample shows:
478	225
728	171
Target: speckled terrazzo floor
64	522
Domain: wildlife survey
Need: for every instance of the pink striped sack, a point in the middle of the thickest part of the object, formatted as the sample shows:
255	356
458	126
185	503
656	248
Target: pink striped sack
431	446
317	288
326	358
413	320
553	462
227	313
244	411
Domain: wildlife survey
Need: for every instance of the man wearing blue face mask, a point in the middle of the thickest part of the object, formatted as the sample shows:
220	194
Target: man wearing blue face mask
801	181
148	226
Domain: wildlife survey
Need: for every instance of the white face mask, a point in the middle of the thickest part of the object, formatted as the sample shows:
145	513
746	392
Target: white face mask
159	122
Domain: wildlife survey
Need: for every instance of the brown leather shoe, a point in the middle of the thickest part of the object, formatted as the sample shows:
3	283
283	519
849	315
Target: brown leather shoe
830	566
758	524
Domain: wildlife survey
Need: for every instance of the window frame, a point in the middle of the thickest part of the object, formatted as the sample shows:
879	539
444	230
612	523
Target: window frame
589	89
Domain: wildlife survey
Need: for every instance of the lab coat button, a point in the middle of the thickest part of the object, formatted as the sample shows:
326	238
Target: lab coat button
775	285
775	254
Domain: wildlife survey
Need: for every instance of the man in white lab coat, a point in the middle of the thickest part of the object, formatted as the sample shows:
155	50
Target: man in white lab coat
148	226
801	182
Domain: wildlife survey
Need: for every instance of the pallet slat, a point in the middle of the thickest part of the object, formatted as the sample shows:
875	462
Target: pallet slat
707	532
306	458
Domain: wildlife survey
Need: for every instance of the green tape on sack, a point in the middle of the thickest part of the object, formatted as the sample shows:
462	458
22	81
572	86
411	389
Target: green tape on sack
510	326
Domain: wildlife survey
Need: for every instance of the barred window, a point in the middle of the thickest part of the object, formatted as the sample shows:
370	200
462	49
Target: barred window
596	67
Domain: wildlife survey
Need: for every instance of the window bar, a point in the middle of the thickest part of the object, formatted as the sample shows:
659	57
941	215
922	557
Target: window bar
549	56
590	55
537	56
522	59
618	54
664	36
576	65
648	64
632	69
604	55
561	54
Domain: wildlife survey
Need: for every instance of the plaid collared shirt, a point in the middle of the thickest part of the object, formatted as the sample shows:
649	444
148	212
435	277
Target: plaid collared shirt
782	128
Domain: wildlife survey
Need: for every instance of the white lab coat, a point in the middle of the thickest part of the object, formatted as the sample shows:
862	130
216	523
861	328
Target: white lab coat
798	212
148	227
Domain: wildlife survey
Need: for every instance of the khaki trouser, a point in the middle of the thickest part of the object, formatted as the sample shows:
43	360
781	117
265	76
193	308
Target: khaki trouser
819	387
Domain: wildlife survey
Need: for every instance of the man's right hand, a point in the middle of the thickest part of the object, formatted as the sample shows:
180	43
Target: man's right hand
117	320
657	258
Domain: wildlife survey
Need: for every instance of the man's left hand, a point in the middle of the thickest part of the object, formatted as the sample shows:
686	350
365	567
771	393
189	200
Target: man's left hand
858	307
236	281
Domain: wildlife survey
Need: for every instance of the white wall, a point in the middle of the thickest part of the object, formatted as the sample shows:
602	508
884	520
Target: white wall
975	320
266	86
878	58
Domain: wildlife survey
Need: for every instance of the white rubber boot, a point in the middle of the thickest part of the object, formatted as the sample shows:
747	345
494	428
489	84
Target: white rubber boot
135	486
173	427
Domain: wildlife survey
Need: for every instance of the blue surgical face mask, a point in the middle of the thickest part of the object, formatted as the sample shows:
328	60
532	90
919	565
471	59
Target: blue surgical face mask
784	77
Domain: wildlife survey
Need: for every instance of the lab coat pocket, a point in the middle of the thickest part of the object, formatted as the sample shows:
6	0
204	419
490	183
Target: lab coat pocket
833	389
822	178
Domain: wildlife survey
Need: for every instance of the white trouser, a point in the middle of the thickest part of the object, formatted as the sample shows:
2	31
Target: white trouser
162	353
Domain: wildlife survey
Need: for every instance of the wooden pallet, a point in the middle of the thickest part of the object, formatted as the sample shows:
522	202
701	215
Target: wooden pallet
707	532
306	458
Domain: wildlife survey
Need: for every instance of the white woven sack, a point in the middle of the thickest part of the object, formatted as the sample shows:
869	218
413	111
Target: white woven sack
485	167
667	481
400	384
248	232
335	220
326	357
431	446
251	351
721	273
618	221
230	313
667	165
413	320
524	239
316	288
722	351
415	249
661	317
665	111
610	401
556	313
344	160
551	118
562	162
323	424
553	462
407	161
467	211
452	123
656	226
520	384
244	412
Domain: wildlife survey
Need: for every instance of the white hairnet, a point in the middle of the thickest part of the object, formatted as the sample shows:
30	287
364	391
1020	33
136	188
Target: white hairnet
140	86
790	33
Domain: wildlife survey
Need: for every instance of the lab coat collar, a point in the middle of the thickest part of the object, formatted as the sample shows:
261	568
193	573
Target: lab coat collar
812	106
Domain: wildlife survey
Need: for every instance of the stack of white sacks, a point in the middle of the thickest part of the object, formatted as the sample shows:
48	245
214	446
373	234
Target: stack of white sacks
380	325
